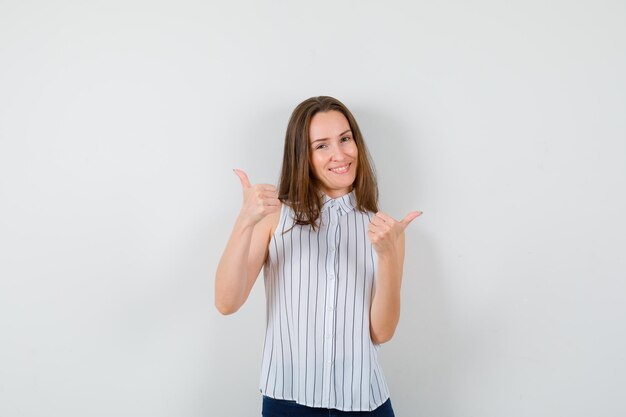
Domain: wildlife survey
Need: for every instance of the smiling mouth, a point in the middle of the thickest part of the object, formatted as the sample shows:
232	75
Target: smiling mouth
341	170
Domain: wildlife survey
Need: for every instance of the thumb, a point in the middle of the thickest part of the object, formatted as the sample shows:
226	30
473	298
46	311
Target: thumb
245	182
410	217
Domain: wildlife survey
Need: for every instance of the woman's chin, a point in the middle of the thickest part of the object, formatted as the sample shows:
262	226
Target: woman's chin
338	189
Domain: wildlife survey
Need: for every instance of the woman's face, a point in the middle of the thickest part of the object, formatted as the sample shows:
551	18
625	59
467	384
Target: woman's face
333	152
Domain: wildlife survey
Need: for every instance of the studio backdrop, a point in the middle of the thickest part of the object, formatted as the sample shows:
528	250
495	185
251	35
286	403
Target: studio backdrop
121	122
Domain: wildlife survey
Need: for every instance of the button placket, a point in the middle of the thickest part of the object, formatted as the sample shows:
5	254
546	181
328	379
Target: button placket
331	285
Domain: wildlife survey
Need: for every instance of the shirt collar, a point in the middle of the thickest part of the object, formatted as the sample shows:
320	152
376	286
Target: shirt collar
344	204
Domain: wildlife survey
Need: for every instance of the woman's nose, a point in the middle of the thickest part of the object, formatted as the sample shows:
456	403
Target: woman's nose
338	153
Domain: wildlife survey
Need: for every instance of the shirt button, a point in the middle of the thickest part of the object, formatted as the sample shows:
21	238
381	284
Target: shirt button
332	248
331	277
329	363
330	308
328	336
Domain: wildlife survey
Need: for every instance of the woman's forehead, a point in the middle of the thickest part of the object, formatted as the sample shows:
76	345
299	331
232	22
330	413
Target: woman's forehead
326	125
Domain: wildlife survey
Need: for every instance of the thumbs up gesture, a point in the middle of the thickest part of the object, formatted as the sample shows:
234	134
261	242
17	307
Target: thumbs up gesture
385	232
259	200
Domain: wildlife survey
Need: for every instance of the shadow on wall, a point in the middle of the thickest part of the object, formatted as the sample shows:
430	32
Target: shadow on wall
418	361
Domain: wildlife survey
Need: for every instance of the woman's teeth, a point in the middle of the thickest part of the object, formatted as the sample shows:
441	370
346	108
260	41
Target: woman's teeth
341	170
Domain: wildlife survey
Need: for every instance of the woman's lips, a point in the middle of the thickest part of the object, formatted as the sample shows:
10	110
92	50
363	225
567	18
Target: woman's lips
341	170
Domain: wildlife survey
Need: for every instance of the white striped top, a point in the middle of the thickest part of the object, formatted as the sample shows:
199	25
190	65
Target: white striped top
319	287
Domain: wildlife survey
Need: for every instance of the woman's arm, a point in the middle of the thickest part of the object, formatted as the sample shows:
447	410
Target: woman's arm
247	246
385	308
387	237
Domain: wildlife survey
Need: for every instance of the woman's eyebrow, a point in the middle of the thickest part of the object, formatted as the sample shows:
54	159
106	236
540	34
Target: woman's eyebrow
341	134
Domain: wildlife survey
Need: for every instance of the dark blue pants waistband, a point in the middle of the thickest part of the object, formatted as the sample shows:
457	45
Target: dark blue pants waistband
285	408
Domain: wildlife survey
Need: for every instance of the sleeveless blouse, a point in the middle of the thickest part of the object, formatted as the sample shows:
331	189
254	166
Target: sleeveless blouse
319	286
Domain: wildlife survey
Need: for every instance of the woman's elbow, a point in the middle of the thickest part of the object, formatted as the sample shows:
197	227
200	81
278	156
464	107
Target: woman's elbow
378	338
225	309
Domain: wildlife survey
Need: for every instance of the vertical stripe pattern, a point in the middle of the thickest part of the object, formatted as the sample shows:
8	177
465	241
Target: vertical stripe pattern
319	286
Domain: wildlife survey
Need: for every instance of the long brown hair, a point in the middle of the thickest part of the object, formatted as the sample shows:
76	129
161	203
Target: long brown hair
298	186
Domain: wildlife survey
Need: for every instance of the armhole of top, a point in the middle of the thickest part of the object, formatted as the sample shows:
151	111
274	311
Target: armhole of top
281	221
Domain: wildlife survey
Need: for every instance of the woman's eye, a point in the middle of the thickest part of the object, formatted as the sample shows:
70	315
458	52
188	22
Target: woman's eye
320	146
347	138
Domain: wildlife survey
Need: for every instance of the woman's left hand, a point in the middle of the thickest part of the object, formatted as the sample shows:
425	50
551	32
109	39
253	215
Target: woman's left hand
386	233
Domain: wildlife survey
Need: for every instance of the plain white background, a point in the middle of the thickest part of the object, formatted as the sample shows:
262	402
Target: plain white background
121	121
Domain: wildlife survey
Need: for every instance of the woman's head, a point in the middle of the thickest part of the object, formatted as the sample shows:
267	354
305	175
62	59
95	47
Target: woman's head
325	153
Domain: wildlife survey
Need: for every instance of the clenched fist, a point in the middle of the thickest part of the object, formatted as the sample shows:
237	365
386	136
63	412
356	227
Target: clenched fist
385	233
259	200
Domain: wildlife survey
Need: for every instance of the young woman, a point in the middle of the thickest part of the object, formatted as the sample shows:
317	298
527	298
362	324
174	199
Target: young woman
332	268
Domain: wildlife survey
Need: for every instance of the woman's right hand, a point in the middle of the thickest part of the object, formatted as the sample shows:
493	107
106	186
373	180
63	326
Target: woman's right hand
259	200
